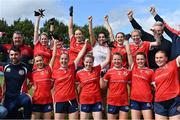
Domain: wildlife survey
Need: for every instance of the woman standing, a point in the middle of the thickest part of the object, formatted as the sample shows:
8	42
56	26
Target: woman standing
64	86
42	82
89	81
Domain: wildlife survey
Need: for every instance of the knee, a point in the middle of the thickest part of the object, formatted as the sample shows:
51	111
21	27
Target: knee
26	100
3	112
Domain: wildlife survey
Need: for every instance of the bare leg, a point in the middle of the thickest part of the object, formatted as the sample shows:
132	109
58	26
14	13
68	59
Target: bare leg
47	115
97	115
147	114
176	117
135	114
73	116
111	116
84	115
59	116
35	115
160	117
123	115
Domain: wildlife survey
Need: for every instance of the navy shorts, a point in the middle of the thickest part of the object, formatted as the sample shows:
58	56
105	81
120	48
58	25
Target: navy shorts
168	108
136	105
42	108
115	109
97	107
66	107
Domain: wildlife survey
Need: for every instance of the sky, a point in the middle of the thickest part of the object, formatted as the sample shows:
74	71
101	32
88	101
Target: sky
117	10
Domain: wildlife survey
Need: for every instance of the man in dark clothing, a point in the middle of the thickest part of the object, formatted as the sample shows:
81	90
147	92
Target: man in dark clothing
15	73
165	44
175	36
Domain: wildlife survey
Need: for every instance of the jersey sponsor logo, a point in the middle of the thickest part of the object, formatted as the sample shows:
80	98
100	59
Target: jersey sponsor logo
8	70
139	76
21	72
160	76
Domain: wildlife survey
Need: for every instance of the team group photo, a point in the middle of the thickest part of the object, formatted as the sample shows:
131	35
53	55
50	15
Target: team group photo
85	60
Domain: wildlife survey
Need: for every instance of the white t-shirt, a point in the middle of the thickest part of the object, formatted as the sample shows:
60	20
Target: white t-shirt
99	53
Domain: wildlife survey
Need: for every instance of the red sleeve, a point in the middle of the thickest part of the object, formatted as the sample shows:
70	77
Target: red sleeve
1	68
7	47
171	29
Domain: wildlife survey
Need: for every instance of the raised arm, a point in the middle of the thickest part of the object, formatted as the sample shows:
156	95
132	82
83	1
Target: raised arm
129	55
169	31
81	53
36	29
91	33
70	25
51	63
107	60
145	36
134	23
108	27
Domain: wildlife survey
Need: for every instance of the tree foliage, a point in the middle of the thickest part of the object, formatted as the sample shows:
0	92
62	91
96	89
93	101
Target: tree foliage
27	28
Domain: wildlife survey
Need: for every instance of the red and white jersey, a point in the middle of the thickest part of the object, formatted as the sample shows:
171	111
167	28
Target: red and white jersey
42	82
144	47
57	59
122	51
75	48
166	81
90	85
141	84
43	50
117	86
64	84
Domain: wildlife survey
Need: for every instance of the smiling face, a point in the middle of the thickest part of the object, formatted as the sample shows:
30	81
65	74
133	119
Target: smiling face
64	59
17	39
136	37
79	35
117	60
120	38
14	56
140	60
101	38
160	58
44	40
38	61
88	62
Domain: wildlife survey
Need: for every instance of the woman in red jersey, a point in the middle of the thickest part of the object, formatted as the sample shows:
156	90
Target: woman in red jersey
64	86
41	43
76	41
60	50
89	82
117	80
142	46
118	43
141	89
42	82
167	88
